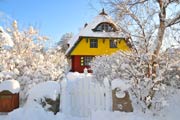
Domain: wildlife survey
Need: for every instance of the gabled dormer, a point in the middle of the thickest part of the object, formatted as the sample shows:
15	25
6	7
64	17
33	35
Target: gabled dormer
105	27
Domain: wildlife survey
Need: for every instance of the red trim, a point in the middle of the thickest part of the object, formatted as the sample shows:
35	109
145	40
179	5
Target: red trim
76	64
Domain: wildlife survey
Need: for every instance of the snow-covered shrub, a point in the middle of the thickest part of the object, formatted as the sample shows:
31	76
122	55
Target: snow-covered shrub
147	86
63	43
28	62
5	39
45	94
172	75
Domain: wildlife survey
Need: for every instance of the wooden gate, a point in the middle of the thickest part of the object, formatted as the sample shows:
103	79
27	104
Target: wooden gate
87	96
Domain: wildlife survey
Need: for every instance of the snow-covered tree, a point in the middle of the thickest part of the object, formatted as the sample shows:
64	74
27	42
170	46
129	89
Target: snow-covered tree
148	22
28	61
63	43
151	25
5	39
134	68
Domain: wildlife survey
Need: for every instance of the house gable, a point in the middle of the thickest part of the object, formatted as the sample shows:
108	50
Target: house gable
103	48
100	27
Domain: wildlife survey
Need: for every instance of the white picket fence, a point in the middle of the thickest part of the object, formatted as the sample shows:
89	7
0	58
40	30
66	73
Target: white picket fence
84	96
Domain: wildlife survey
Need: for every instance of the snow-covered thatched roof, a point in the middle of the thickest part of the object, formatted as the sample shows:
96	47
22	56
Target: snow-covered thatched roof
88	30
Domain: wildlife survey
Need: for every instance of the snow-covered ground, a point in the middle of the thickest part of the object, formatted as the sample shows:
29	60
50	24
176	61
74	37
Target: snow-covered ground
34	111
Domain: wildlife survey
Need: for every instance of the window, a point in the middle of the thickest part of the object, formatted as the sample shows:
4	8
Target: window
105	27
93	43
85	61
113	44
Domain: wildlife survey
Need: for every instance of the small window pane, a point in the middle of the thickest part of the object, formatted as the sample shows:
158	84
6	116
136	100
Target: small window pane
93	43
86	60
113	44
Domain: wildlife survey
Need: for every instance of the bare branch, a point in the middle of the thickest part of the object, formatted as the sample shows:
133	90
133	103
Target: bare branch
174	20
137	2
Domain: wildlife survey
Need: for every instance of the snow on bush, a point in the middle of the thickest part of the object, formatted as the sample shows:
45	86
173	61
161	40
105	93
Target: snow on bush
148	87
49	89
46	94
28	62
5	39
10	85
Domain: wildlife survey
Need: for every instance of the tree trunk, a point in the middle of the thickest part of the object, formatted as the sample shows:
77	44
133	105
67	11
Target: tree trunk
161	31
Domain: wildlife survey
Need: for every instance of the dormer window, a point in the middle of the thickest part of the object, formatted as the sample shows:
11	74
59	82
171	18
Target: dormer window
105	27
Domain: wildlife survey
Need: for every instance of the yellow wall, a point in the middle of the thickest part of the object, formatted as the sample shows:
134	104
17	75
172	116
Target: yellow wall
83	47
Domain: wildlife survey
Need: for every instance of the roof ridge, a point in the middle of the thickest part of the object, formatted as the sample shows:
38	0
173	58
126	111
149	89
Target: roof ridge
103	12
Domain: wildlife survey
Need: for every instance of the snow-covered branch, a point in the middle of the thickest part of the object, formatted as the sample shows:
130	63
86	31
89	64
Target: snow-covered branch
173	21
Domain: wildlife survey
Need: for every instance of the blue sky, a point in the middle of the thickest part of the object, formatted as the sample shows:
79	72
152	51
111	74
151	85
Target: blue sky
52	17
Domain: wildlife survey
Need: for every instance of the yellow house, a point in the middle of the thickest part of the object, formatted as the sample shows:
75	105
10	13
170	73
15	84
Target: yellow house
100	37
